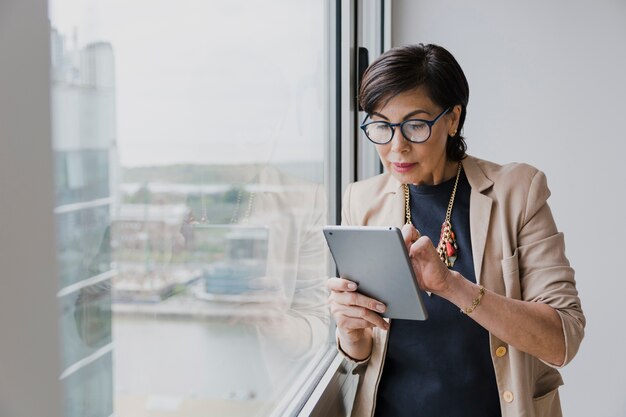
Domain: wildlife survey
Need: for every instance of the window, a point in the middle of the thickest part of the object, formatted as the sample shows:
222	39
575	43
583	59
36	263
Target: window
191	144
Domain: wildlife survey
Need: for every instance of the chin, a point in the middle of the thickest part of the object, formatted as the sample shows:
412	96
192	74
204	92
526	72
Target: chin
405	178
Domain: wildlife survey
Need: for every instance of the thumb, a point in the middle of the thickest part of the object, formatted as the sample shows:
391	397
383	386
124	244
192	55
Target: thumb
410	234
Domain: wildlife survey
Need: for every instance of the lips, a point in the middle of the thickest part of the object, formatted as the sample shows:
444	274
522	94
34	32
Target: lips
402	167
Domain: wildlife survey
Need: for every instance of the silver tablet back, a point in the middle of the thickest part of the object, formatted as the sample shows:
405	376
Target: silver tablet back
377	260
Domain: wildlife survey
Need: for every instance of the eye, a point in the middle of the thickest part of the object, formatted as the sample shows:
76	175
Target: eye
377	128
415	126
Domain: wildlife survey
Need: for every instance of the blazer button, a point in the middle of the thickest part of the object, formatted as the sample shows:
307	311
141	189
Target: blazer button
508	396
501	351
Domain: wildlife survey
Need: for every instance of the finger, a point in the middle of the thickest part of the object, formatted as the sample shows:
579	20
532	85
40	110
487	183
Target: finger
356	312
422	248
340	284
410	234
358	299
349	323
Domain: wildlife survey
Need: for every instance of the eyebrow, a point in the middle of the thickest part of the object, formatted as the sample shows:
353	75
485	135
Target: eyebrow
413	113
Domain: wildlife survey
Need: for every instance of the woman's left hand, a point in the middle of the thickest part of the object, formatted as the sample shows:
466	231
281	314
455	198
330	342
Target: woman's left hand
431	274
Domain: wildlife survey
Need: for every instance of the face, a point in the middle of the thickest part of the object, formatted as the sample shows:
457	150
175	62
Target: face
417	163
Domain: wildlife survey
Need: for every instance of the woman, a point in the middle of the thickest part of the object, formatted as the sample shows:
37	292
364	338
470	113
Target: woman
504	313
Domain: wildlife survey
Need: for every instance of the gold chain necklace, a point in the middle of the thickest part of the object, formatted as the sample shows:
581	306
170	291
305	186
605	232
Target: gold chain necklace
235	216
447	247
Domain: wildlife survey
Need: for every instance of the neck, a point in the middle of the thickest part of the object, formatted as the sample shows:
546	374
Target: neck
441	173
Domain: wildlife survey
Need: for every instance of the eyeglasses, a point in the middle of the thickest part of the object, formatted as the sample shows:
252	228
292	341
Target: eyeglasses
413	130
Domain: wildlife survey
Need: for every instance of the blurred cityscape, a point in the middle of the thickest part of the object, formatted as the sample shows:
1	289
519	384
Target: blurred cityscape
148	230
155	242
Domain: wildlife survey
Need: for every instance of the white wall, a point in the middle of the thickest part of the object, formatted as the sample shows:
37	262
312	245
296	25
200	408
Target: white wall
548	87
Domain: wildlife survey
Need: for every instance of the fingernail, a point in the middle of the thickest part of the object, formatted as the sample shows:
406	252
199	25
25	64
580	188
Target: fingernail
380	307
352	286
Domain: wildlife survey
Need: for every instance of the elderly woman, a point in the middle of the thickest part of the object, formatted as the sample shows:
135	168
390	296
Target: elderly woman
504	313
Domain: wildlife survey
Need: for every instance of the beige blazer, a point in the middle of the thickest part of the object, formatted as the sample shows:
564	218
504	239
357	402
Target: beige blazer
518	252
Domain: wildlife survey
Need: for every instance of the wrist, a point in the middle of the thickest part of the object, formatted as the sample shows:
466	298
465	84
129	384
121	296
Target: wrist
459	290
462	292
453	285
357	345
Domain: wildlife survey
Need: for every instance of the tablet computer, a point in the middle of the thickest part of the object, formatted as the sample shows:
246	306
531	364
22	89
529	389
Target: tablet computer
377	260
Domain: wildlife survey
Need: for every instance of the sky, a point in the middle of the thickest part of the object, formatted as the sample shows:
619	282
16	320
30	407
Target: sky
211	81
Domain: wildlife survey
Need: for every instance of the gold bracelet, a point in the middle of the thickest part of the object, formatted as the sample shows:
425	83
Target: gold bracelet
476	301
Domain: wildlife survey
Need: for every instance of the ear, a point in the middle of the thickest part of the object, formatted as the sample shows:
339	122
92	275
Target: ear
455	116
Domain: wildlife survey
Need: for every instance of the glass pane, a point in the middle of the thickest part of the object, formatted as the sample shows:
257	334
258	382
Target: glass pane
190	141
83	247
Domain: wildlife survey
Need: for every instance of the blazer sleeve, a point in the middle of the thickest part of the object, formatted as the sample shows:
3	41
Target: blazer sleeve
346	220
545	272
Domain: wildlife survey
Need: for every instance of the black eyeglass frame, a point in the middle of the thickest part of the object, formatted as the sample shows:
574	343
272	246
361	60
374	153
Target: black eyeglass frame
393	126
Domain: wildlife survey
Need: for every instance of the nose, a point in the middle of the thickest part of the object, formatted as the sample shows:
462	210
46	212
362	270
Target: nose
398	143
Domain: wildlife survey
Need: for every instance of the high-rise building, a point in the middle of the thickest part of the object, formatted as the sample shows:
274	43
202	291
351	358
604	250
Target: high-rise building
83	122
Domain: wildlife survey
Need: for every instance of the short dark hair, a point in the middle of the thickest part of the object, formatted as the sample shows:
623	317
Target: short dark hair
406	68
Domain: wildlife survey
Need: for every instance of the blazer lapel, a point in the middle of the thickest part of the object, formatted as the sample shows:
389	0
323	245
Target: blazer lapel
397	216
480	211
394	192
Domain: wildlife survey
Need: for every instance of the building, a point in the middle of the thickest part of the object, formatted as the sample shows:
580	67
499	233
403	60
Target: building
83	123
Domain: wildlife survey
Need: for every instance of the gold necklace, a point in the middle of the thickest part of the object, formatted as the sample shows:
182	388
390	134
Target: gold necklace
447	247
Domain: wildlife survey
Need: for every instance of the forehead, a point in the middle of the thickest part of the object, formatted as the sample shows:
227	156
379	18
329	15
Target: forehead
406	102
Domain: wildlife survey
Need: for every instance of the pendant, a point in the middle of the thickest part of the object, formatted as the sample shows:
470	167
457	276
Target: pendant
447	248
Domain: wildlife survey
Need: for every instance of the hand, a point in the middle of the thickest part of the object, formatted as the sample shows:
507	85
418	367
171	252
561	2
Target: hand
353	312
431	274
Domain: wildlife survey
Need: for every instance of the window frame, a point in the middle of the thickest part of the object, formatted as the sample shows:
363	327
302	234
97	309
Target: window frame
366	24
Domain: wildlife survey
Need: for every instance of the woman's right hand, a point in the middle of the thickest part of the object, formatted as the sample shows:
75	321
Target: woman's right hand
353	311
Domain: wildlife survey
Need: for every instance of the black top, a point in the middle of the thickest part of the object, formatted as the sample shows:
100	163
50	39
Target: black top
441	366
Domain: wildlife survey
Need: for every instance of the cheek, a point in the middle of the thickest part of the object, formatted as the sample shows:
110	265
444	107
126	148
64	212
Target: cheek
440	136
434	147
383	151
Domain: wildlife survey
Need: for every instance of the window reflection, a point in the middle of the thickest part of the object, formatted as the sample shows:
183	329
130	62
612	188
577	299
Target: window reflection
190	202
